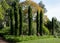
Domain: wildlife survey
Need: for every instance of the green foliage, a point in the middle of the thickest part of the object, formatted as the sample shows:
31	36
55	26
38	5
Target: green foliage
15	17
25	38
41	22
25	28
30	19
5	31
49	25
11	22
45	30
20	38
1	16
37	22
3	7
1	13
48	40
20	20
53	25
4	4
33	28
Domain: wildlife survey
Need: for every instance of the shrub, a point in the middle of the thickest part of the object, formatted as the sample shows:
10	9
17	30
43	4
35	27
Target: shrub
45	30
5	31
25	38
20	38
25	28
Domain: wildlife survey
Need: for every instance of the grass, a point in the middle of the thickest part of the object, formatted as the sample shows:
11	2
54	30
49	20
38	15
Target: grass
48	40
25	38
33	39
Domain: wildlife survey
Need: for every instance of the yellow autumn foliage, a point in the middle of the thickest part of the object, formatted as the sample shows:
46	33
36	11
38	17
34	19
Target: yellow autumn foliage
34	6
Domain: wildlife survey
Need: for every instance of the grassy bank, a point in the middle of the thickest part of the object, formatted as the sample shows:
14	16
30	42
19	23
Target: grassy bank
48	40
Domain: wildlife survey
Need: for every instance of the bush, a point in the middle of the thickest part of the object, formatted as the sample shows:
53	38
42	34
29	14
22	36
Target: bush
25	38
45	30
5	31
34	28
20	38
25	28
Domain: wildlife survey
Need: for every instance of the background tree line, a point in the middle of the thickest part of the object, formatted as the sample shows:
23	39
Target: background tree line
21	24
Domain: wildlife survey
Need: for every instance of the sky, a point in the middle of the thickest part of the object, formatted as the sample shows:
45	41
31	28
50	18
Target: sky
52	6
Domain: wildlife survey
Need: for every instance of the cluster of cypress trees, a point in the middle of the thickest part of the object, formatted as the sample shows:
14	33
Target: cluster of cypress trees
13	17
39	19
14	28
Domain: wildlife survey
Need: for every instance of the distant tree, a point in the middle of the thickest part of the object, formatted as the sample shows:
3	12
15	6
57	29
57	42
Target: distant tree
35	7
53	24
49	25
26	3
42	6
28	0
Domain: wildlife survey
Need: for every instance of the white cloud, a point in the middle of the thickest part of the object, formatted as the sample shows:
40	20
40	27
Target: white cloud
53	11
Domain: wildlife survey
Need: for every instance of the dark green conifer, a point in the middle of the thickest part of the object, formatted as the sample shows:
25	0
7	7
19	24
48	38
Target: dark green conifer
37	22
53	25
15	17
41	22
20	20
30	19
11	22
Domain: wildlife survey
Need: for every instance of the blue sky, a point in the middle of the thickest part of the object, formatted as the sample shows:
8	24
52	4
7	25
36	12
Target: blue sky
53	7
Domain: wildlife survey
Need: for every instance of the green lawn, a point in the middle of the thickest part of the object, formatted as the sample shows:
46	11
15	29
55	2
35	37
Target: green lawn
49	40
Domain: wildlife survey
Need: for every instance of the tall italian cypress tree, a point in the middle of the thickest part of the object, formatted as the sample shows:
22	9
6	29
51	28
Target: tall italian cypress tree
30	19
11	21
37	22
20	20
53	25
16	17
41	22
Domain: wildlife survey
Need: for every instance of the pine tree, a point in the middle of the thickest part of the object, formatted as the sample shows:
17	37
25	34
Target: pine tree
30	19
20	20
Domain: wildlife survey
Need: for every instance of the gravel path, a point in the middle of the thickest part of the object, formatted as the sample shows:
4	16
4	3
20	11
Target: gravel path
2	40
